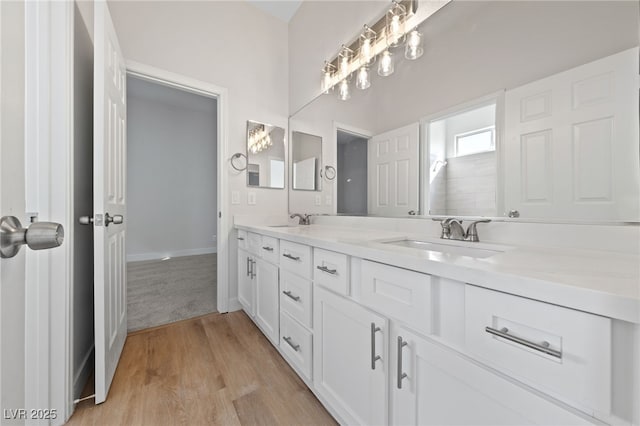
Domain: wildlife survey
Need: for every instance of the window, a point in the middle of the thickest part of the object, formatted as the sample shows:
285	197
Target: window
474	142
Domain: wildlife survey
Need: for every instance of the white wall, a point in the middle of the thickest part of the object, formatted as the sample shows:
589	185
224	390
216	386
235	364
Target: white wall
171	172
83	331
218	42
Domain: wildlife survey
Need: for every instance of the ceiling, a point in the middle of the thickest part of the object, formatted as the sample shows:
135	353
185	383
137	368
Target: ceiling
283	9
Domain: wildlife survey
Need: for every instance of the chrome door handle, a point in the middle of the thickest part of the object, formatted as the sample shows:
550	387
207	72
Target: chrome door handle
401	375
540	347
327	270
85	220
248	266
240	239
115	219
288	293
267	248
38	236
289	256
374	357
290	342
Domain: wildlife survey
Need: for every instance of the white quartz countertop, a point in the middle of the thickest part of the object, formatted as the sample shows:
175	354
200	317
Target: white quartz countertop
599	282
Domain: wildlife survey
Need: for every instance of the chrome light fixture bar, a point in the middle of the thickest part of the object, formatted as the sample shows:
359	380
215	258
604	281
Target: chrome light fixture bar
394	29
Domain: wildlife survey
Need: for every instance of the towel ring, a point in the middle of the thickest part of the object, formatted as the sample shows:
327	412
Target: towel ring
329	172
236	156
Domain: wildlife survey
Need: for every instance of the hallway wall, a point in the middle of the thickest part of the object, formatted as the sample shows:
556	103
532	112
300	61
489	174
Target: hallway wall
171	172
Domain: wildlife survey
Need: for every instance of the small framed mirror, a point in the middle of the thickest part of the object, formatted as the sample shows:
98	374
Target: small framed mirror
265	155
306	154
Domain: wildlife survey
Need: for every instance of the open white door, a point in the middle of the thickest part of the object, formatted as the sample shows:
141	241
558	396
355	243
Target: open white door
109	174
393	172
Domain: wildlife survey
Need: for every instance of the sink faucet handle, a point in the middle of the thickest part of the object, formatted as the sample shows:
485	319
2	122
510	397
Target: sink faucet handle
472	232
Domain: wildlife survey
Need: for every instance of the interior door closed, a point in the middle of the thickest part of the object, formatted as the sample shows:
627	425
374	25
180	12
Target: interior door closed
110	283
394	172
571	147
267	299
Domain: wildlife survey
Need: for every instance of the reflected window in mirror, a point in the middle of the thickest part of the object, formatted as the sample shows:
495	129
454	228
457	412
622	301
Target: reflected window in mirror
265	155
352	177
462	162
306	154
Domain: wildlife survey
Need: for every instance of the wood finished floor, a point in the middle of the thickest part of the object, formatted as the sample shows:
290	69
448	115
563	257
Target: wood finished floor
215	369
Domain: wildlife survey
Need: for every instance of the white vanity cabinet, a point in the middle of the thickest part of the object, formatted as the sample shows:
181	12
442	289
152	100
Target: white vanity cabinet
350	358
434	385
268	300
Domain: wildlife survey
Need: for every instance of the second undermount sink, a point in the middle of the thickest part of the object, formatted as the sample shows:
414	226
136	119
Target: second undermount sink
460	250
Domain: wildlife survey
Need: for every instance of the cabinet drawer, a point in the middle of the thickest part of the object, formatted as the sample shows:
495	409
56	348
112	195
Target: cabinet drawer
269	249
254	242
398	293
296	297
242	239
295	258
297	344
560	351
331	270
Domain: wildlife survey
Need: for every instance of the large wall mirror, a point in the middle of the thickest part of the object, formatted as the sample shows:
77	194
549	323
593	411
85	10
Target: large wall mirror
265	155
491	121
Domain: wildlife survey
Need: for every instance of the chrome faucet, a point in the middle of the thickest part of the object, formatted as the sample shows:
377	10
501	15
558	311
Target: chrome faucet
452	229
303	219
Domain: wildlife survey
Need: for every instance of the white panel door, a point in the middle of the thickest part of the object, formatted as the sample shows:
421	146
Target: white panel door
246	283
110	284
394	171
347	373
571	148
442	387
304	174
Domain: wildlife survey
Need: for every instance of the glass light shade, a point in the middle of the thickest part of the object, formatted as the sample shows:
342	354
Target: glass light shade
344	60
343	90
327	77
394	27
363	79
413	49
367	41
385	66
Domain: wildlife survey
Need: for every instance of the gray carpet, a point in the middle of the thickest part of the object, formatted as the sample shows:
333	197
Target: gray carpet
161	292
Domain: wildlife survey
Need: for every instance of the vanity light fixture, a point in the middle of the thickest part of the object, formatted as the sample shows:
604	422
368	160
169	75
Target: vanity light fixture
258	139
379	39
386	67
413	49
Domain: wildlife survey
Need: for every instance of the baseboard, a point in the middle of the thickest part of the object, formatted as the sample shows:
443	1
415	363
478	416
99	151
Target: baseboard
179	253
234	305
81	376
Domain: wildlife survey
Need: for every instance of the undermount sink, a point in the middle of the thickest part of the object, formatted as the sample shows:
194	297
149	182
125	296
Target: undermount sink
477	252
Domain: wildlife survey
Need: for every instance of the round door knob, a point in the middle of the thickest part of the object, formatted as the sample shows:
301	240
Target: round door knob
39	236
115	219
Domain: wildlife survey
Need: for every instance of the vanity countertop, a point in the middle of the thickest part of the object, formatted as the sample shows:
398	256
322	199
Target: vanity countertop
599	282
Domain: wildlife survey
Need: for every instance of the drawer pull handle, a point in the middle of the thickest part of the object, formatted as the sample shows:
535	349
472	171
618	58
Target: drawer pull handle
401	375
248	266
374	357
288	293
290	342
240	238
327	270
290	256
267	248
540	347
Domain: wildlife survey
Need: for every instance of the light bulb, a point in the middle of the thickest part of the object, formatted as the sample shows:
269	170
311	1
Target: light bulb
366	50
385	67
362	78
344	66
395	28
326	82
343	92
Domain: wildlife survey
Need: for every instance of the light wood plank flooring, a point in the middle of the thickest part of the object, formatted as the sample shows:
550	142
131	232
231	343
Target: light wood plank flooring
215	369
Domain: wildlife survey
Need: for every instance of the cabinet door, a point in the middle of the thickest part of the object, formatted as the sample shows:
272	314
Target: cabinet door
345	347
246	287
268	300
443	387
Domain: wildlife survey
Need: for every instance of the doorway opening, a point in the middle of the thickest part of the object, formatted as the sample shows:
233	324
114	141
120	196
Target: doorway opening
172	186
352	184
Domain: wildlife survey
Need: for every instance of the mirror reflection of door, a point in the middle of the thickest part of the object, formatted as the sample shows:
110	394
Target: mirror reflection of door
462	162
306	154
352	179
